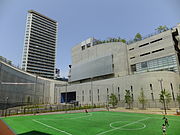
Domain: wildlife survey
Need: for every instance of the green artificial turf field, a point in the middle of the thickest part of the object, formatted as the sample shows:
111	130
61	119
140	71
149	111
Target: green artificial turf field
93	123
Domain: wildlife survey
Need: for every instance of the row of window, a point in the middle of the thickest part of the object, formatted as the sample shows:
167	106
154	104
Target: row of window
36	37
45	20
42	28
39	29
145	44
41	72
44	32
164	63
46	61
84	46
41	48
144	54
131	89
43	24
33	53
44	45
34	56
41	51
40	65
43	35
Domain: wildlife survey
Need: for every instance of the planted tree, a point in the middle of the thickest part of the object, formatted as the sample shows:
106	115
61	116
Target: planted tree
137	37
123	40
142	99
128	98
161	28
165	98
168	99
178	99
113	100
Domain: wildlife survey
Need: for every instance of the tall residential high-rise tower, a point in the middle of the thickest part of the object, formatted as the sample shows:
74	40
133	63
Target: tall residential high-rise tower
40	43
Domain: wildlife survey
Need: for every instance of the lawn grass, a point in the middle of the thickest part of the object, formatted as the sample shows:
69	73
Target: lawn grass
93	123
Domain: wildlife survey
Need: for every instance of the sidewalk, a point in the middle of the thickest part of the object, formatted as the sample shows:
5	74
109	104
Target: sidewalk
172	111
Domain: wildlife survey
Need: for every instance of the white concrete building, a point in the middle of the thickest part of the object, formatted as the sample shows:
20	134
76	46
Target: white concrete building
98	70
40	43
23	88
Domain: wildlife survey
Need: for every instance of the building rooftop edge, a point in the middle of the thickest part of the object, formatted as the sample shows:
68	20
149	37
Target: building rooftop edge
33	75
32	11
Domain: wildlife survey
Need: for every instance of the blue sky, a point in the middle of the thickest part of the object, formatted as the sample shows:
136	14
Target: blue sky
81	19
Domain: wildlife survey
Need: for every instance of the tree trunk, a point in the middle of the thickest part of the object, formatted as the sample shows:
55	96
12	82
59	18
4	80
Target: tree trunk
142	105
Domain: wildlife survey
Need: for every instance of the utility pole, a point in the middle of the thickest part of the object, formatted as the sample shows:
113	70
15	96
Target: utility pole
113	88
0	78
92	93
43	95
6	106
1	86
160	81
66	98
35	88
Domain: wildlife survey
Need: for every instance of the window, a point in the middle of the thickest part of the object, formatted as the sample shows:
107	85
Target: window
98	91
152	96
167	63
145	54
143	64
107	90
98	97
131	49
156	40
133	68
158	50
131	88
88	45
132	57
144	44
151	87
132	93
83	47
83	98
118	89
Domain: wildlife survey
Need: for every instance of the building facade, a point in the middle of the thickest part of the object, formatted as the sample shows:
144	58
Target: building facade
98	70
40	43
22	88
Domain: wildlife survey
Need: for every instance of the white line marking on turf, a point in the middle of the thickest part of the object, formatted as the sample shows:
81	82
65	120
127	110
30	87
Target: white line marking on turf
51	127
122	126
143	125
90	114
61	118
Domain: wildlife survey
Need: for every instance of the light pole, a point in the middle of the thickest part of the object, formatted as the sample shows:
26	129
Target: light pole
163	92
35	88
6	106
1	84
66	98
113	88
0	77
92	92
43	94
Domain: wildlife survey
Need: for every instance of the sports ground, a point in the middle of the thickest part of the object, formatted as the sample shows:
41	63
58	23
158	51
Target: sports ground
93	123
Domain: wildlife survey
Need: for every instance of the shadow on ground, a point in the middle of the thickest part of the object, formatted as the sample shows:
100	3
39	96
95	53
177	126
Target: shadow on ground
34	133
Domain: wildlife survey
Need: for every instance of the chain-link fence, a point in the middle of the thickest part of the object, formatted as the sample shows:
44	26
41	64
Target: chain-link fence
148	104
36	109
